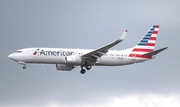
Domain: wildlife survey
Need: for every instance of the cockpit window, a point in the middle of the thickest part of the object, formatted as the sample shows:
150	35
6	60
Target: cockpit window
18	51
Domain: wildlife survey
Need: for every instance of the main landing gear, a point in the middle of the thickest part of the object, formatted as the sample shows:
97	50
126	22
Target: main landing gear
83	70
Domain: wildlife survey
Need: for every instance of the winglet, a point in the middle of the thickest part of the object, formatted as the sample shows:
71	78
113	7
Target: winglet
123	35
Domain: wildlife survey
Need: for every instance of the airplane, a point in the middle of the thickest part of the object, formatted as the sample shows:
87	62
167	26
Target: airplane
67	59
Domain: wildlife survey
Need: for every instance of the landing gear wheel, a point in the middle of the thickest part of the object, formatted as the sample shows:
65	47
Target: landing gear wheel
83	71
24	67
88	67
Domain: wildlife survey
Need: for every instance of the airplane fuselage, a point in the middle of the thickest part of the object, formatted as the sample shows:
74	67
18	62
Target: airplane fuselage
58	55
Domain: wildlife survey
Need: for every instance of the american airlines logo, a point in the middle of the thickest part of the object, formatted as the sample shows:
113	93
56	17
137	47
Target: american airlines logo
36	51
53	53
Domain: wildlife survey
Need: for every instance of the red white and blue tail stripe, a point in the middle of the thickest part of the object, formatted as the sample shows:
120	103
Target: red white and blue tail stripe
146	44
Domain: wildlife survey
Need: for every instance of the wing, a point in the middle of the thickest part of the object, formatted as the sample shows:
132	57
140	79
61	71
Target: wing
94	55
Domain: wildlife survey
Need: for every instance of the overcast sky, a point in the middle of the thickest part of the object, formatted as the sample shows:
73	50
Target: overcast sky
89	24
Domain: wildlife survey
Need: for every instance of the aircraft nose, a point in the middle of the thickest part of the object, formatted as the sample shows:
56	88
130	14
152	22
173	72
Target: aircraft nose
16	57
11	56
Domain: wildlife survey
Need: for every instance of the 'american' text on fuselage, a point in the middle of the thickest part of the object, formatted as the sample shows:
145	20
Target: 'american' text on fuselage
56	53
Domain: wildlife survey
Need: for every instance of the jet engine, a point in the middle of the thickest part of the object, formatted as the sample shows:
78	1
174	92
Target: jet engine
64	67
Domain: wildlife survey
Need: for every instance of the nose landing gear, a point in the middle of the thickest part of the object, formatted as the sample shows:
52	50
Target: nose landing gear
22	63
24	67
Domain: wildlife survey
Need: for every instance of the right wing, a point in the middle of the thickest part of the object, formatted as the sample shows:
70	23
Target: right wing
94	55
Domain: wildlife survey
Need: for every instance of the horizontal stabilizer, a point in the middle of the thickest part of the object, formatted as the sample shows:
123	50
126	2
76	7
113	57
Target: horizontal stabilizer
155	52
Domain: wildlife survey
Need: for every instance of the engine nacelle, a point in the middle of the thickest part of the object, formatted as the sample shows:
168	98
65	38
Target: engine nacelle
64	67
74	60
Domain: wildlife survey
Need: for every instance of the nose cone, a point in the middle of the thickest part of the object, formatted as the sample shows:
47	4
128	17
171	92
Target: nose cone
11	56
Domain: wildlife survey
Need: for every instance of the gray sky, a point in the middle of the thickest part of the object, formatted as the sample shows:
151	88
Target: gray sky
89	24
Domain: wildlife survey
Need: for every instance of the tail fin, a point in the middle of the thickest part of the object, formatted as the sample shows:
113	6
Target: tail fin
146	44
150	37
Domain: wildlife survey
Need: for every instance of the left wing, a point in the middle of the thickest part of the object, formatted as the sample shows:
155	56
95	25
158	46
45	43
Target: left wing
93	55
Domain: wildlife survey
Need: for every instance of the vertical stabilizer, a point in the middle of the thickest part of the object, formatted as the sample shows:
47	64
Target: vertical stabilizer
146	44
